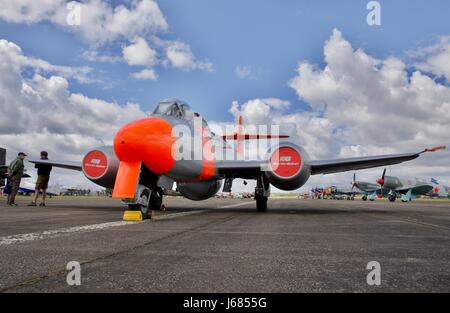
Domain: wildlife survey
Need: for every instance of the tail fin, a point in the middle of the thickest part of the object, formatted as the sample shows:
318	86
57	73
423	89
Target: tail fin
239	136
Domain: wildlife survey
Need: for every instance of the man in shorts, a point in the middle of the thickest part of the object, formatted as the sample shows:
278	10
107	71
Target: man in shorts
15	173
42	180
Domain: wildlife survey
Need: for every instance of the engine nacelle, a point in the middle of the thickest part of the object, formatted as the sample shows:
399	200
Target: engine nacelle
287	167
100	166
199	190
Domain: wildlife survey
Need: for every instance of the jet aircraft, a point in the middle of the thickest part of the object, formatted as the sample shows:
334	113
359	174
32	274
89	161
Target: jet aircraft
142	161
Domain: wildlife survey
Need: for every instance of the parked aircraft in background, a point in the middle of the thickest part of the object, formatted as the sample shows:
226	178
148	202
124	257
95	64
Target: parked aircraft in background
370	190
334	192
142	162
439	190
406	189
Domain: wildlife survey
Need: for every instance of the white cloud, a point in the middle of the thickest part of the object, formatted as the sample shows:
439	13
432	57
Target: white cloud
147	74
243	71
364	98
94	56
140	53
179	55
248	72
29	11
100	22
40	112
436	58
361	105
12	53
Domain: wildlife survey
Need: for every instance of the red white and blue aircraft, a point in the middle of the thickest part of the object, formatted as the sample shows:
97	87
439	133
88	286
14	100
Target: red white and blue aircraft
142	162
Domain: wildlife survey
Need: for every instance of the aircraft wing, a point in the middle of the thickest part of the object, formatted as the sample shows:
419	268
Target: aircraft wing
251	169
359	163
239	169
416	190
62	164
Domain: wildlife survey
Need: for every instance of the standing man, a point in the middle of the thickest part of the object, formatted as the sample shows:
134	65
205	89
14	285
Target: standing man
42	180
15	173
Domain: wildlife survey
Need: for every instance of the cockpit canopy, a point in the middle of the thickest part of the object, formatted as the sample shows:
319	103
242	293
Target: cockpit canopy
174	108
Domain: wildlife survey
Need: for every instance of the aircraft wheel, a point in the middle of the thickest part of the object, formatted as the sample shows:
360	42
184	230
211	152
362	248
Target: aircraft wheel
261	203
156	199
392	198
140	207
352	198
364	198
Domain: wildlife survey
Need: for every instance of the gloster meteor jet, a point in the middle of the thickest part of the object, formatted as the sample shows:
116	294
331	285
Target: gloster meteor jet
141	162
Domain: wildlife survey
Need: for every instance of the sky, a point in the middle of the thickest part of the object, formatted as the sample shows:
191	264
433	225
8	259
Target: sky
338	86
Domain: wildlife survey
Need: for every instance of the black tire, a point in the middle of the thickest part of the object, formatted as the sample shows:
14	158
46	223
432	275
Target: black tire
156	199
261	203
392	198
364	198
138	207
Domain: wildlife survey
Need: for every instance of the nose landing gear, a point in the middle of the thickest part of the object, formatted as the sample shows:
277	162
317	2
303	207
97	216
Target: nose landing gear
145	201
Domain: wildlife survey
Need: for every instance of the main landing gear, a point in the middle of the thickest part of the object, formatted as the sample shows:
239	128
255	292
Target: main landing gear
262	193
146	200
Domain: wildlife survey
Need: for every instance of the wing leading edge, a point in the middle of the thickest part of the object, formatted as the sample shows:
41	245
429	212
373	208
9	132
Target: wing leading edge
358	163
76	166
251	169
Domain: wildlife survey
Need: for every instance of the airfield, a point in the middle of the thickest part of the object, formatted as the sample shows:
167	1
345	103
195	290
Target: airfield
224	245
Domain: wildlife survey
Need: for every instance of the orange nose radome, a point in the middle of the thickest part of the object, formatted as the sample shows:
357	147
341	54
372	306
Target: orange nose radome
149	141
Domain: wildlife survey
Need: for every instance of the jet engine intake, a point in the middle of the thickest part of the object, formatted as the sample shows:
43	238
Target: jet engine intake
100	166
287	166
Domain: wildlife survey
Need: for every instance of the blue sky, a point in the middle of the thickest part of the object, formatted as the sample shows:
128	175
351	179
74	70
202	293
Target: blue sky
270	37
381	89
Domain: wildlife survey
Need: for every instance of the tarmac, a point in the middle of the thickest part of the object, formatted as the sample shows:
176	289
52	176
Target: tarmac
224	245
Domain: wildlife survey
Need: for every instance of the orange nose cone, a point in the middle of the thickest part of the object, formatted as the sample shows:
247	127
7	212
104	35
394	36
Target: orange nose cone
148	140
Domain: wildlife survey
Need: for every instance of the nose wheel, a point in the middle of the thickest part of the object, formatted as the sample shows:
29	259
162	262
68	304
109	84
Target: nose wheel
142	203
147	201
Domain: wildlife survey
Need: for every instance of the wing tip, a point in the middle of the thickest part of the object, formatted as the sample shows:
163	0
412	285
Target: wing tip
433	149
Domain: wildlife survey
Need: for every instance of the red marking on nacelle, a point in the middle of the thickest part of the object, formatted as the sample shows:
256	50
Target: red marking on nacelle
286	162
95	164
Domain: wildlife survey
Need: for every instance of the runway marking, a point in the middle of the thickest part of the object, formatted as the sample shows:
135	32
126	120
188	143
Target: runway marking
47	234
174	215
235	205
8	240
